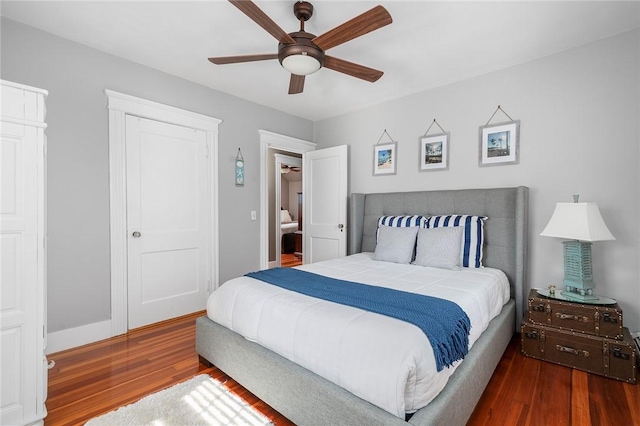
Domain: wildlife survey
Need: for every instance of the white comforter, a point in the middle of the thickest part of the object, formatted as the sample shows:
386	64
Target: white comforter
385	361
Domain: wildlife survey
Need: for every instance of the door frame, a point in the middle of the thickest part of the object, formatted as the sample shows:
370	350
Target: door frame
291	161
270	140
120	105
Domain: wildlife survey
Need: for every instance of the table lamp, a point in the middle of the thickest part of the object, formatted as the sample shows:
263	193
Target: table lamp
581	223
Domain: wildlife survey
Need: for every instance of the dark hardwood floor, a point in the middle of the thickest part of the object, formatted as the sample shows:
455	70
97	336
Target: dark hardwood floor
97	378
100	377
290	260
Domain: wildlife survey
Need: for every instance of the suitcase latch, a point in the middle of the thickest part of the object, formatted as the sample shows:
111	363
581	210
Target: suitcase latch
617	353
538	308
606	317
572	351
531	334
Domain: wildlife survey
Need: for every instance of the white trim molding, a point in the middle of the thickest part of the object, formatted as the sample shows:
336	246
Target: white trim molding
270	140
73	337
120	105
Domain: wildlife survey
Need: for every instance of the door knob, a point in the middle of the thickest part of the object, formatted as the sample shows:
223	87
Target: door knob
341	227
136	234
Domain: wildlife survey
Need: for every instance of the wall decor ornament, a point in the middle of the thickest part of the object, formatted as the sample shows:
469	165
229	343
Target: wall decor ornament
239	175
385	156
434	150
499	143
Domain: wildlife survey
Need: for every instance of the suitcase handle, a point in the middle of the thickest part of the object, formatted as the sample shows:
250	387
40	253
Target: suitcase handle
572	351
564	316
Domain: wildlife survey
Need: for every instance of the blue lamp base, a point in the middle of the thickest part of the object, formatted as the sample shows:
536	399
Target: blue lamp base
578	275
579	297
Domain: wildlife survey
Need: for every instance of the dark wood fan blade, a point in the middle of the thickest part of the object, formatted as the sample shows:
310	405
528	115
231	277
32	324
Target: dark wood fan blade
362	24
354	70
259	17
296	84
221	60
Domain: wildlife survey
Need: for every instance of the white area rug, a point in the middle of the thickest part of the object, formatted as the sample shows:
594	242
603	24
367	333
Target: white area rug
199	401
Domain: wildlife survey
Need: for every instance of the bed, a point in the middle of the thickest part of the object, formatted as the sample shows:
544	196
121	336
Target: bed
287	225
308	399
287	228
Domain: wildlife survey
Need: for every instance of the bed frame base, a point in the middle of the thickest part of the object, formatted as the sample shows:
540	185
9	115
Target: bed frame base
308	399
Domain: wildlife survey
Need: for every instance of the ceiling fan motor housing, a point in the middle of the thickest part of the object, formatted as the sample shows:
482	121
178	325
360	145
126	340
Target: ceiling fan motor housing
303	46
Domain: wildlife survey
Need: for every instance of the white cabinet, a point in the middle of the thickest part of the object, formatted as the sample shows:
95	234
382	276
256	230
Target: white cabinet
23	375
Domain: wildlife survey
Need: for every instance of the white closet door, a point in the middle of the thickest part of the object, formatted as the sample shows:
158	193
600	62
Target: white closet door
167	220
22	252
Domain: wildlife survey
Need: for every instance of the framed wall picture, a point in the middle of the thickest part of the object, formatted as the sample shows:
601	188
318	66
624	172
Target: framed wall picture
239	175
500	144
385	159
434	152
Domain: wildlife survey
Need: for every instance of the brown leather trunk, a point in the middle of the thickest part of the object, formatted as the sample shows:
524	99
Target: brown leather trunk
598	320
599	355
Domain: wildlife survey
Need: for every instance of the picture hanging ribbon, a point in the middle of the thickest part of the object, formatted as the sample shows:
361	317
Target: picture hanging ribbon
494	113
437	124
382	135
239	175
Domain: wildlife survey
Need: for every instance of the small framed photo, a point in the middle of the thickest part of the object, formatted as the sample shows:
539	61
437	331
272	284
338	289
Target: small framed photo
385	158
239	172
500	144
434	152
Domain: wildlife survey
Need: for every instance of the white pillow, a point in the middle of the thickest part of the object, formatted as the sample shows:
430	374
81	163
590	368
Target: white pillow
395	244
285	217
439	247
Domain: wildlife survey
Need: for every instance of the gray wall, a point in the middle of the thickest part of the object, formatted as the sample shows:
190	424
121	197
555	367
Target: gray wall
580	120
78	164
579	113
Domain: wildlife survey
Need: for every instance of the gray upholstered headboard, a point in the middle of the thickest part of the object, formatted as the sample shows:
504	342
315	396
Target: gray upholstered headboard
505	230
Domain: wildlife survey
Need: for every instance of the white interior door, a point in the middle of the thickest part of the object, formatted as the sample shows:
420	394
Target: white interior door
20	209
167	220
324	204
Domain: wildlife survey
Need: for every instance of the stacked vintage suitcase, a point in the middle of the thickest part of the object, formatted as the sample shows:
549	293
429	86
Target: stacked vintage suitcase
581	336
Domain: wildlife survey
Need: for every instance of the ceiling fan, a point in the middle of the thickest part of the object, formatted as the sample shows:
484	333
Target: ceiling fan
302	53
286	169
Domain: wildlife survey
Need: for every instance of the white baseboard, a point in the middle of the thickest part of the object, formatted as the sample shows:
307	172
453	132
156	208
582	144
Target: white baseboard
73	337
273	264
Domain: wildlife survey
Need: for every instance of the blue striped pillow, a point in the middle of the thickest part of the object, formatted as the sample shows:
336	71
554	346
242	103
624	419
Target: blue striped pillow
401	221
473	237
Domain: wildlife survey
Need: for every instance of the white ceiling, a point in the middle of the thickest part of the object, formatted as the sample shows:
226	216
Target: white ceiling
429	43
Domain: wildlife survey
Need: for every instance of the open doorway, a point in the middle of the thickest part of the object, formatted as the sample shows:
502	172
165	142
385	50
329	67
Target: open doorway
270	143
288	209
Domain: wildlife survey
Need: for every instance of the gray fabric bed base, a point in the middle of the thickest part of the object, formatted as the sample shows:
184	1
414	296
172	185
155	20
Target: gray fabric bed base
308	399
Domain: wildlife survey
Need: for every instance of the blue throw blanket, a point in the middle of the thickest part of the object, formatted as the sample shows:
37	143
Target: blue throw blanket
443	322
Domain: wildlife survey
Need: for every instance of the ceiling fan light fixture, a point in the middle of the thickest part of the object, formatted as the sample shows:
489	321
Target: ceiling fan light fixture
303	57
301	64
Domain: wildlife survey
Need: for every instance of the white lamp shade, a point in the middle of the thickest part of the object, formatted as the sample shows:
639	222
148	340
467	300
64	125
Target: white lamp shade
301	64
577	221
